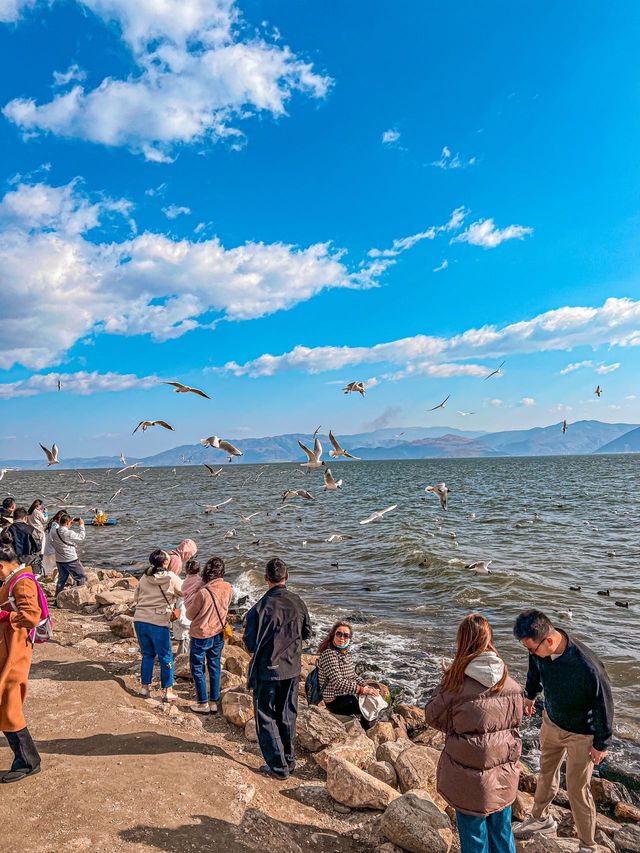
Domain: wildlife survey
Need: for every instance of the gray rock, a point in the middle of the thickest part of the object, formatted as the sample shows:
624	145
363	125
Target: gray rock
415	823
351	786
385	772
122	626
317	728
75	598
628	839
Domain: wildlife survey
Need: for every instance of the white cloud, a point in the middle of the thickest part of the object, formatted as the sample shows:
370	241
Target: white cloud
448	160
496	403
173	211
615	323
614	407
73	72
389	137
630	397
11	10
484	233
603	369
441	266
561	407
199	73
576	365
402	244
75	383
527	402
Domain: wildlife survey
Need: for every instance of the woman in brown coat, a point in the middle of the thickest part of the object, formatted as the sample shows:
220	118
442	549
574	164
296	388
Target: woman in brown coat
17	617
479	708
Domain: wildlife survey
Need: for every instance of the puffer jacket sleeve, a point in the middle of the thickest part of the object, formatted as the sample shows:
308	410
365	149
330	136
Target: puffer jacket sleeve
437	710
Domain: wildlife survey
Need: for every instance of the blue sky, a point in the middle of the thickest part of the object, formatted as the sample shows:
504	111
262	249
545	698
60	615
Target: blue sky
403	196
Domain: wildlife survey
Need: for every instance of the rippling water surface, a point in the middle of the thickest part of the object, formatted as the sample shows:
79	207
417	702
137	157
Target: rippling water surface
546	523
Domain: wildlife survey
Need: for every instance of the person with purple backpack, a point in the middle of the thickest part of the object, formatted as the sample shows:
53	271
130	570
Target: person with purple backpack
23	621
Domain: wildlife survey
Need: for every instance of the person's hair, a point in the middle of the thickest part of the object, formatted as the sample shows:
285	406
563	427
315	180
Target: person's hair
327	643
34	506
532	625
213	568
7	503
7	553
276	570
474	637
65	518
192	566
156	561
56	519
20	513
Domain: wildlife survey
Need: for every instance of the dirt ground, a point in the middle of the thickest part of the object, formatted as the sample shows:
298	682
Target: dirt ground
121	773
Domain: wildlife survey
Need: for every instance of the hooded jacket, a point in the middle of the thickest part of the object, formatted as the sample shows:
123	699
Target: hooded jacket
150	603
479	767
180	554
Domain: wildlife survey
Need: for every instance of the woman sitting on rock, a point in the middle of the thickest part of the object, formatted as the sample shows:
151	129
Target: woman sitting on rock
207	610
339	684
155	598
18	616
479	708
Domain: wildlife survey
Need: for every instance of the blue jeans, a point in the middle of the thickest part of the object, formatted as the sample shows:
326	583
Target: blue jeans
491	834
210	650
155	642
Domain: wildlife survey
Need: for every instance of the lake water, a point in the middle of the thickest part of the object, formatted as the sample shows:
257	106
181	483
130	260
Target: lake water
546	523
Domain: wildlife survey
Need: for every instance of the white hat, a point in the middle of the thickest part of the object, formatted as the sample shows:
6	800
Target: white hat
371	706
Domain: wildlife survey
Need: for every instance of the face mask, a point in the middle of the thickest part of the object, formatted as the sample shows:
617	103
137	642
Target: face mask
341	643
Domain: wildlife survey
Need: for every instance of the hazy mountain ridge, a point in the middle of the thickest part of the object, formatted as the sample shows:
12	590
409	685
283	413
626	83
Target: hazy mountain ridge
582	437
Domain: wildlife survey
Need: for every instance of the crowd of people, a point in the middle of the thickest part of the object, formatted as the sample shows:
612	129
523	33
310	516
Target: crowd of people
478	706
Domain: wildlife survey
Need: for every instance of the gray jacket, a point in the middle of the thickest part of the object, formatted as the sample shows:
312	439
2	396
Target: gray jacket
63	540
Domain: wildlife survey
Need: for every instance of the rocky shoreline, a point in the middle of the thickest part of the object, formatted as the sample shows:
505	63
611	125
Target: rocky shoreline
380	783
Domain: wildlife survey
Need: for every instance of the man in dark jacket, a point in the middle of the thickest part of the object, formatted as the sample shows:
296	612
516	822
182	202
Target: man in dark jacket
577	722
24	536
274	630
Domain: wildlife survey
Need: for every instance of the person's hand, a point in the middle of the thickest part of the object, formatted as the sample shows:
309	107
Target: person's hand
365	690
596	755
81	522
529	707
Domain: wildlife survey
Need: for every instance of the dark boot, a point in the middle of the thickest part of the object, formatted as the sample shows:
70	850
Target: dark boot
26	760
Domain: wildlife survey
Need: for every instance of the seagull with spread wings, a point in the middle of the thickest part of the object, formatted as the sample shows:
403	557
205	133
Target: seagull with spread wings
496	372
442	491
212	470
144	426
221	444
179	388
52	455
313	457
598	391
337	450
440	405
83	479
357	387
379	514
297	493
330	485
208	508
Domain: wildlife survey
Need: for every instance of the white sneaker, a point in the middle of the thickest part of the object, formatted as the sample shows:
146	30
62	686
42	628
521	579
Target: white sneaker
145	690
533	826
169	695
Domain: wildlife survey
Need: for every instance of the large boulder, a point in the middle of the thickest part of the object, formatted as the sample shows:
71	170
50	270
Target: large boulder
522	805
547	844
358	750
126	583
92	579
237	707
627	839
236	660
351	786
229	681
415	823
122	626
75	598
181	665
413	716
318	728
385	772
431	737
392	750
381	732
626	811
108	597
416	768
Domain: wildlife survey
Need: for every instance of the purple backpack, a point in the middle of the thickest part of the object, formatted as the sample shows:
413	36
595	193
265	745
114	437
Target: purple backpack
43	631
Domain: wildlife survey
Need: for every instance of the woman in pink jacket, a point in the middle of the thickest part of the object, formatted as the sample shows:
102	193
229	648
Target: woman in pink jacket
208	610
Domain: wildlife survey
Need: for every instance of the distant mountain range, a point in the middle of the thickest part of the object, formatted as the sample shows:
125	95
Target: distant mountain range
582	437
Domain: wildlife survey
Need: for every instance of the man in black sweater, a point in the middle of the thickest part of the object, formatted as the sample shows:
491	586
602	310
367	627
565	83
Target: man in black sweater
577	722
274	630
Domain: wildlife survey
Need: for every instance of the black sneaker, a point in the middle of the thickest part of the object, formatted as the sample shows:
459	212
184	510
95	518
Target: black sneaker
274	774
18	775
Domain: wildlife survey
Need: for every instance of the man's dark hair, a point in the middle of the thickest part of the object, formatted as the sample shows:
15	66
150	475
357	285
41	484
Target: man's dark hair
20	513
276	570
65	518
213	568
8	503
532	625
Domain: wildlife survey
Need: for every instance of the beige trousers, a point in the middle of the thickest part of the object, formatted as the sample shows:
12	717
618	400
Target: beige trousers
555	743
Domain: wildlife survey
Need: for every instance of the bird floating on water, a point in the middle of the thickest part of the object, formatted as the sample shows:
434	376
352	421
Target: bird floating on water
575	588
337	537
379	514
480	567
52	455
568	614
144	426
442	491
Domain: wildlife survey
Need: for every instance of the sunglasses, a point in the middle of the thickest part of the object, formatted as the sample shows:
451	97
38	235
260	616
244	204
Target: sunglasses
344	634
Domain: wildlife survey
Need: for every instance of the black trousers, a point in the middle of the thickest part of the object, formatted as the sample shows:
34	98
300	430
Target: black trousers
26	756
347	706
276	709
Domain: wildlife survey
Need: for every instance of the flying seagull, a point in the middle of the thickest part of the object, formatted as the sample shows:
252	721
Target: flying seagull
212	470
3	471
379	514
355	386
52	455
316	431
185	389
565	426
123	460
296	493
83	479
598	391
442	491
440	405
496	372
480	567
330	485
115	495
144	425
59	385
132	477
466	414
221	444
246	519
215	507
128	468
337	450
313	457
